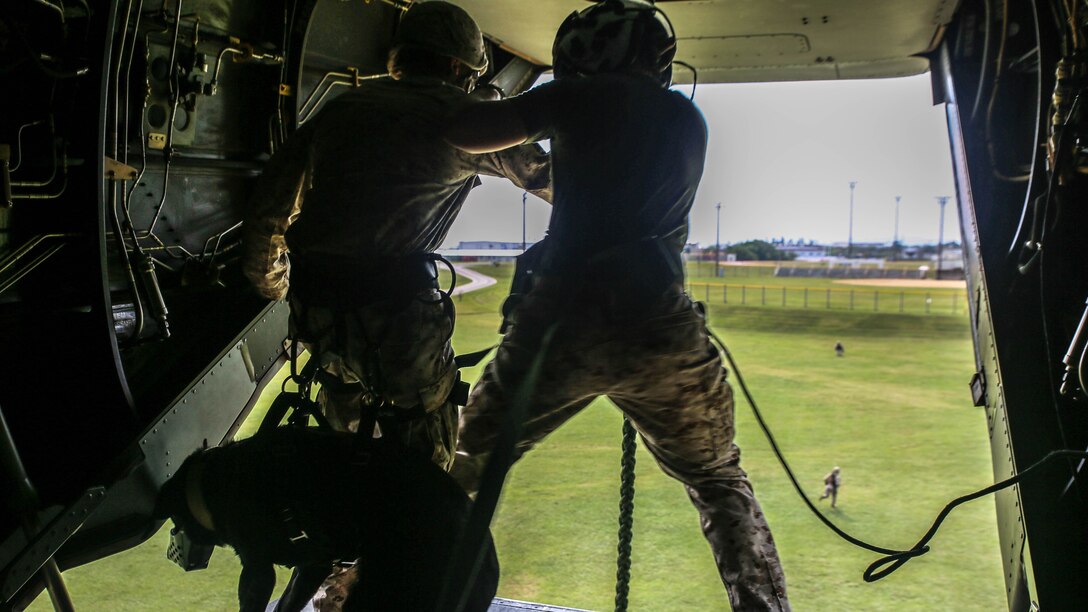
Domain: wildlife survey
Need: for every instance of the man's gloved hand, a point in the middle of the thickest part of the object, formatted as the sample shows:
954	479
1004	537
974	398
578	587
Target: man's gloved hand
487	92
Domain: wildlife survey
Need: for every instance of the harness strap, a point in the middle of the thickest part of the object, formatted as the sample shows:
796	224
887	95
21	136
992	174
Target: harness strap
467	360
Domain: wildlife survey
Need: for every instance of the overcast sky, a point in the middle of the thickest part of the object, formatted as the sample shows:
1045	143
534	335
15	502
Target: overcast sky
780	160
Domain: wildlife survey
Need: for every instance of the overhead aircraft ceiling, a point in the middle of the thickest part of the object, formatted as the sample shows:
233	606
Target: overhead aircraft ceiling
732	41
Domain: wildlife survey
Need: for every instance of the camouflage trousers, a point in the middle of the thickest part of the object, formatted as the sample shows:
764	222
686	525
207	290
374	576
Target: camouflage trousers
400	351
662	372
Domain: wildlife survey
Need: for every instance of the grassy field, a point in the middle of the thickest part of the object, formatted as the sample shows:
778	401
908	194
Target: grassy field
895	413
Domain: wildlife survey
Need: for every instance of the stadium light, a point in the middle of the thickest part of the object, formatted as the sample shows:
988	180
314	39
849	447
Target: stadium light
850	236
718	239
942	200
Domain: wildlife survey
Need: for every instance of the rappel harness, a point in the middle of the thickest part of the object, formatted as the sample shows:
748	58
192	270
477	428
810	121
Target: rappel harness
401	281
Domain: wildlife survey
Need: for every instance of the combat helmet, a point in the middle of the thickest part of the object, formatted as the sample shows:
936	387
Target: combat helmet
444	29
615	36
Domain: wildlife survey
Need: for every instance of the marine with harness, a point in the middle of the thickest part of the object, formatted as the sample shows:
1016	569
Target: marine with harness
605	312
349	213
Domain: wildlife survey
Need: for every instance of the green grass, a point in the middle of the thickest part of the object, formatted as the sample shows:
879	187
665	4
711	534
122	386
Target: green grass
895	414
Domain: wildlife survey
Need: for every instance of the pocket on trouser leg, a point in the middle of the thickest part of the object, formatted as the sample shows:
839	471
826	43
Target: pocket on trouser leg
433	435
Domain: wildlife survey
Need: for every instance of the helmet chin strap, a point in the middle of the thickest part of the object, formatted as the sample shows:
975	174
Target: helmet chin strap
465	76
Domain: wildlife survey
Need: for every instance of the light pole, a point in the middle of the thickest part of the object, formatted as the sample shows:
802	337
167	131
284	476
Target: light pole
894	241
942	200
718	239
850	236
524	195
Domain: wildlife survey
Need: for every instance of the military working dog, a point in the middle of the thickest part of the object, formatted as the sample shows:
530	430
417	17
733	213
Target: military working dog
306	498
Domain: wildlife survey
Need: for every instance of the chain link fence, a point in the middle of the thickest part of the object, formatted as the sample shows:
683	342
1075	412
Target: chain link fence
833	298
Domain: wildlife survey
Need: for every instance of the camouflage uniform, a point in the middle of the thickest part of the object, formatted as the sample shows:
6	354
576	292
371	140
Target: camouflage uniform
662	371
628	156
364	186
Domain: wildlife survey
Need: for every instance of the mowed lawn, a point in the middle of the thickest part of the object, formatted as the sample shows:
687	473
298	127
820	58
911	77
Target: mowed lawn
895	413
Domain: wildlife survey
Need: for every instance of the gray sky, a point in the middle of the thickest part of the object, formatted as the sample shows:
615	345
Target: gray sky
780	159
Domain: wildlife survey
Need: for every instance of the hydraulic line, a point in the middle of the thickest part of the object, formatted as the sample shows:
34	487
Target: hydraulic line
1070	354
993	97
53	195
120	55
984	67
127	82
53	171
58	9
175	87
19	143
129	272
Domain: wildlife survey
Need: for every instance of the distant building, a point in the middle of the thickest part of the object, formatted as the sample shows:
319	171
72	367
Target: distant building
951	260
803	252
483	250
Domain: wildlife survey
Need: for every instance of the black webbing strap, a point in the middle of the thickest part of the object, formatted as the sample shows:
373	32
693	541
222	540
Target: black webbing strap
298	403
468	553
468	360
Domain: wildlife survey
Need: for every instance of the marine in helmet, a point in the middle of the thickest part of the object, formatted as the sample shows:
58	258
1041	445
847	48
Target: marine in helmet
607	308
354	206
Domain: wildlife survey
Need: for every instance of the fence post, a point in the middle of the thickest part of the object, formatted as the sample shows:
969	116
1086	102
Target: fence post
851	299
708	292
928	300
763	295
744	294
806	297
900	301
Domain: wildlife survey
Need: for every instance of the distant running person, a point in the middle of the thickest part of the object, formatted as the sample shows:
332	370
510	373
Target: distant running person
832	482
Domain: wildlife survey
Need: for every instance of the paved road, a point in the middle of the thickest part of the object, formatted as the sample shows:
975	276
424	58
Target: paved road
476	280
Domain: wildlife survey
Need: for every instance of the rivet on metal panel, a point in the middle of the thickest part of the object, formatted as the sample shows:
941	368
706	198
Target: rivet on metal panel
154	431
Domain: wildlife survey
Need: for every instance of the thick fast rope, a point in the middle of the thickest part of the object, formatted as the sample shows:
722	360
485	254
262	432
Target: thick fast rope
627	509
893	559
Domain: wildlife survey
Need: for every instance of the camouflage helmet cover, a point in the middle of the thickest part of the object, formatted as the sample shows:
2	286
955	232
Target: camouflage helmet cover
615	36
445	29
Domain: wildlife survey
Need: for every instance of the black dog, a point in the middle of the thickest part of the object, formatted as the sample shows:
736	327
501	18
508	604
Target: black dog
305	498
